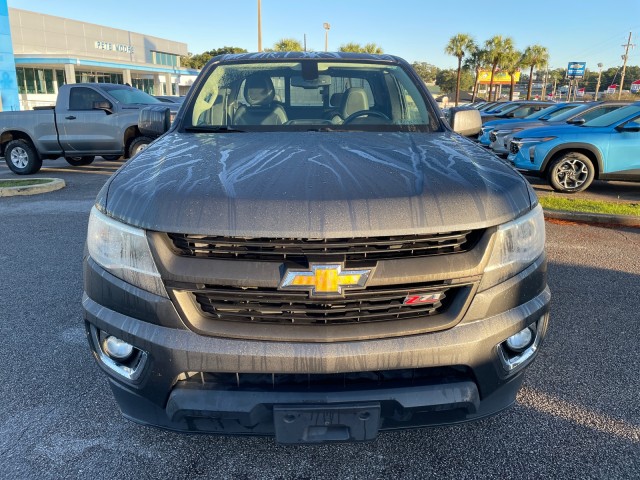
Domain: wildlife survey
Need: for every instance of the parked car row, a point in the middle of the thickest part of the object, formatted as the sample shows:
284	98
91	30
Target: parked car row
566	144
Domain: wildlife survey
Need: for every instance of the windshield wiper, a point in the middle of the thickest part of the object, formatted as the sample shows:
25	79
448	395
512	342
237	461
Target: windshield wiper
213	129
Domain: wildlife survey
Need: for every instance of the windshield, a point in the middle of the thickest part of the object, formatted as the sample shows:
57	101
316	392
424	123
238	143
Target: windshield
555	112
130	96
614	117
309	95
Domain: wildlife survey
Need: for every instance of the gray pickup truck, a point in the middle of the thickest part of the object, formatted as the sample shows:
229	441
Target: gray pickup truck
311	251
88	119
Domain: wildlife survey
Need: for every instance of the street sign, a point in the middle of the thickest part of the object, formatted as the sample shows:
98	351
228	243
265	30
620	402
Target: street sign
635	86
580	92
576	69
612	88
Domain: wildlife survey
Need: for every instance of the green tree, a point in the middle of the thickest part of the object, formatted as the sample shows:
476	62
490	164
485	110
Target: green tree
535	56
199	60
357	48
447	80
496	47
475	62
511	63
425	71
288	45
459	45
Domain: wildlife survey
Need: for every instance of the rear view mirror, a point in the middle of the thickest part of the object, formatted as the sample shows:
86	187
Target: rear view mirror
319	81
465	121
154	121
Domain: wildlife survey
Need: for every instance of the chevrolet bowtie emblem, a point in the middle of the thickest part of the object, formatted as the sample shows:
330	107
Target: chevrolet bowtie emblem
325	279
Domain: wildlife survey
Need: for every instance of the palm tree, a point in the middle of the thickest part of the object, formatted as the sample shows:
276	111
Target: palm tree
459	45
535	56
357	48
511	64
496	48
475	61
288	45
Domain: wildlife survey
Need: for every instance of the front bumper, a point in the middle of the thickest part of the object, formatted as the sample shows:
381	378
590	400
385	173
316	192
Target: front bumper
460	375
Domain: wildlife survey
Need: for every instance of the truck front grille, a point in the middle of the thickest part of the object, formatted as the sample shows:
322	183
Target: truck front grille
348	249
375	304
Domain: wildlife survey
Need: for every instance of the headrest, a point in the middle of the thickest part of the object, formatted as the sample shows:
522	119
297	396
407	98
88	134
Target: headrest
335	99
258	90
354	100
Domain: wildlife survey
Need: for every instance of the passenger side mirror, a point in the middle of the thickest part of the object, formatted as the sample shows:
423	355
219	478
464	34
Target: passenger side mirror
154	121
465	121
576	121
103	105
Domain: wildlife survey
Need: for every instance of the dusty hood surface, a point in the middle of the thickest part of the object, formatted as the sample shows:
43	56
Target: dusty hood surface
314	184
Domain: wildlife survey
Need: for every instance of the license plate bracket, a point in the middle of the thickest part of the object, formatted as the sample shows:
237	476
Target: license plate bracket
326	423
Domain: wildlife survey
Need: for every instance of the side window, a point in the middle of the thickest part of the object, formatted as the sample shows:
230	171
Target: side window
339	85
596	112
82	98
306	97
411	113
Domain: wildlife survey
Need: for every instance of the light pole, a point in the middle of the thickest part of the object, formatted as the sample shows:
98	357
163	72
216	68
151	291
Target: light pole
327	27
598	84
259	28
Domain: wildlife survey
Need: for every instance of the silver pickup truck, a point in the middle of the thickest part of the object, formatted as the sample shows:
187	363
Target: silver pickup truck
88	119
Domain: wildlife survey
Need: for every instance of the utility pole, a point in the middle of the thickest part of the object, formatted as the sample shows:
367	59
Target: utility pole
595	97
259	28
624	65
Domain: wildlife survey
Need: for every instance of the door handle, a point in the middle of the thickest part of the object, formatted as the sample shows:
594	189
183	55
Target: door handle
70	117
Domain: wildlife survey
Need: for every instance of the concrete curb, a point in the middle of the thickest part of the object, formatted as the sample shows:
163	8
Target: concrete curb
598	218
54	184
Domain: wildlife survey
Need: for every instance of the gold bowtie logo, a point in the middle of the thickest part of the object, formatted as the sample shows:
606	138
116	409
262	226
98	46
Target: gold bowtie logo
325	279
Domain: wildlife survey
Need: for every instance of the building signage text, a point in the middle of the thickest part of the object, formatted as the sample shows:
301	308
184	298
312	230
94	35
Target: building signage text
114	47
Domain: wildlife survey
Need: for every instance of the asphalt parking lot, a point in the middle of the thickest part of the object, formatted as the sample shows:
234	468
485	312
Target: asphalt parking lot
577	416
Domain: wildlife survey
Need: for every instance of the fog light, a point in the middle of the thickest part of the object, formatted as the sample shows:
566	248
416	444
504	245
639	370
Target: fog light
520	341
116	348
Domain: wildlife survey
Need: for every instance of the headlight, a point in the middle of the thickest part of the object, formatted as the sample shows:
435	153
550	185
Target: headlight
518	244
124	252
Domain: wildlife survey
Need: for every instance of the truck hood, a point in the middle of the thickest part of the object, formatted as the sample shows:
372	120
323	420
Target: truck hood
314	185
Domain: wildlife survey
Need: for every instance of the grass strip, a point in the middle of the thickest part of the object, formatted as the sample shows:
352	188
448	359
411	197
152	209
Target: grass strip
589	206
23	183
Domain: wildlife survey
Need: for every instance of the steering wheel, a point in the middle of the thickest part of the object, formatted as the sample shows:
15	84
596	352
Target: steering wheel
365	113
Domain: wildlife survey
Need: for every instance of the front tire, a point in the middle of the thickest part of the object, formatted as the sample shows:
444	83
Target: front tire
22	158
571	173
138	144
79	161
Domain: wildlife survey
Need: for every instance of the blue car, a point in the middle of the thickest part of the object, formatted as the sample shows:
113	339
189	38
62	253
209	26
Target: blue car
571	157
543	114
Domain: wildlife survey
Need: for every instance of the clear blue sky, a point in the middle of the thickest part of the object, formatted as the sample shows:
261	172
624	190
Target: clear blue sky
417	30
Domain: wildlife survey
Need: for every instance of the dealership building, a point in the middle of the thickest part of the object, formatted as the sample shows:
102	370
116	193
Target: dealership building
50	51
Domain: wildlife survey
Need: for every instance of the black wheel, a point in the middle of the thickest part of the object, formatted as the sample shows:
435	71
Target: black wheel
571	173
365	113
79	161
22	158
111	158
138	144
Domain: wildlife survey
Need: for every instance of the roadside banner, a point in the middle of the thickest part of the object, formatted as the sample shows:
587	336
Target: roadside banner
612	88
635	86
580	92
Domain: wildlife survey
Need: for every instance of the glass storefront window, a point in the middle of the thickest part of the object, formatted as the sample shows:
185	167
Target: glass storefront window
30	80
60	77
20	78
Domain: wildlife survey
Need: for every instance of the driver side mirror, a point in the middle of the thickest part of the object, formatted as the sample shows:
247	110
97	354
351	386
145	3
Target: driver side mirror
465	121
629	127
576	121
154	121
103	105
